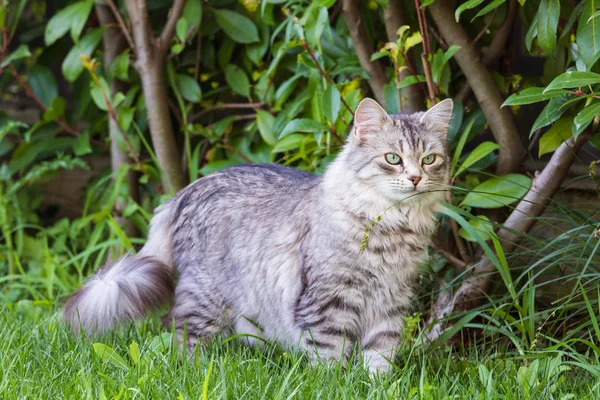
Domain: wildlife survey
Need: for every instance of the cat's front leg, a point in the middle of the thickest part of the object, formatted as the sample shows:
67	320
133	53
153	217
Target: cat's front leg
328	345
380	345
328	326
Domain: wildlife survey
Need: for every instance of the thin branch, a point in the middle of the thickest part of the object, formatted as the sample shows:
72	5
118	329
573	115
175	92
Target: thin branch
323	74
364	48
486	26
227	106
121	23
169	29
457	262
71	131
497	46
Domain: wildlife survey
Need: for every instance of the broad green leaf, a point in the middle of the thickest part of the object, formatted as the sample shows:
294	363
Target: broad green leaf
412	40
109	354
331	103
125	117
188	87
290	142
236	26
100	97
301	125
120	66
547	17
477	154
461	144
21	52
411	80
181	29
391	97
588	33
452	50
43	84
134	351
553	110
82	144
532	95
482	225
558	133
573	79
192	12
56	109
586	115
79	18
498	191
237	80
467	5
489	8
266	122
256	51
161	342
72	66
531	33
71	18
594	15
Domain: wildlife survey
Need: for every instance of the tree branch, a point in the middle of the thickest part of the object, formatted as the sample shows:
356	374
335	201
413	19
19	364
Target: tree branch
545	184
169	29
499	119
394	18
117	15
364	48
497	46
150	64
114	42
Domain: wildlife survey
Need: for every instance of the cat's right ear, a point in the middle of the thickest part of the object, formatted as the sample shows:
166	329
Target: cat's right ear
369	118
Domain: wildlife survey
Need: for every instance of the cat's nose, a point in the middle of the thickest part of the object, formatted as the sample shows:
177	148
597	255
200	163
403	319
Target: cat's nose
414	179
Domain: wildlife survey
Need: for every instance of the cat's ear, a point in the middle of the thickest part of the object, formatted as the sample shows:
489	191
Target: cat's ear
369	117
437	118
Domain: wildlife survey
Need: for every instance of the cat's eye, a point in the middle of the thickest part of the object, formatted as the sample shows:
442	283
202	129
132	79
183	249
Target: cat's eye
429	159
393	158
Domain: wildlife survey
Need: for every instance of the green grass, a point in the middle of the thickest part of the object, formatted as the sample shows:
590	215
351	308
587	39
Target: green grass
40	358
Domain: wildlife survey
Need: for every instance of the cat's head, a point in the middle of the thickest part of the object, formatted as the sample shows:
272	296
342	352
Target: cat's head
403	157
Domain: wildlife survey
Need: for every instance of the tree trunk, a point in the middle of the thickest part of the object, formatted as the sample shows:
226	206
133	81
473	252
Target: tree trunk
151	53
114	44
499	119
364	48
394	18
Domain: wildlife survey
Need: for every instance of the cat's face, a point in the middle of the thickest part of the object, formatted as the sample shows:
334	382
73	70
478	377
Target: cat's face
402	157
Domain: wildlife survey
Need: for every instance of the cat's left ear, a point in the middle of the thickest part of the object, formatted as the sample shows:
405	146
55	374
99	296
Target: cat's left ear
437	118
369	118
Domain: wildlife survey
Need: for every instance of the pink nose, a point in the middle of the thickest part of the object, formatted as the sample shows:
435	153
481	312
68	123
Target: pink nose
414	179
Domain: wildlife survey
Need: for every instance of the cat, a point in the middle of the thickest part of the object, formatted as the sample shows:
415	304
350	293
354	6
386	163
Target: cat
323	263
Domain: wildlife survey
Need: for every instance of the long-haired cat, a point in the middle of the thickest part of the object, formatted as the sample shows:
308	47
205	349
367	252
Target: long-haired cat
282	254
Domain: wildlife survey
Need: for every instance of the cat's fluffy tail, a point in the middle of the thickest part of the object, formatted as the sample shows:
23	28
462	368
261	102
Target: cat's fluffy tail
130	288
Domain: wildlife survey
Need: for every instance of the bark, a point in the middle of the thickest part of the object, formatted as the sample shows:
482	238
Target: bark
150	52
545	184
364	48
499	119
497	46
114	44
394	18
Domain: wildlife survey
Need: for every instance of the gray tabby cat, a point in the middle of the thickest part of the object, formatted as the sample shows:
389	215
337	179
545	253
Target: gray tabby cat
282	254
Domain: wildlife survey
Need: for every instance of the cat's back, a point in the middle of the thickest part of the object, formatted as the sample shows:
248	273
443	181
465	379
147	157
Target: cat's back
254	188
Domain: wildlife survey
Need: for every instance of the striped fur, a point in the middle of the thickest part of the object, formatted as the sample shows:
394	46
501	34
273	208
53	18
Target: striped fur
279	253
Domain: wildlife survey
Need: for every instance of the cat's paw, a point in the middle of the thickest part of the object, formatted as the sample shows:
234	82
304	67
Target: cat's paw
378	366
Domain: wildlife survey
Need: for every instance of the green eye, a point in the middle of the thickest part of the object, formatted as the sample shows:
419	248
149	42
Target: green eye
429	159
393	158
